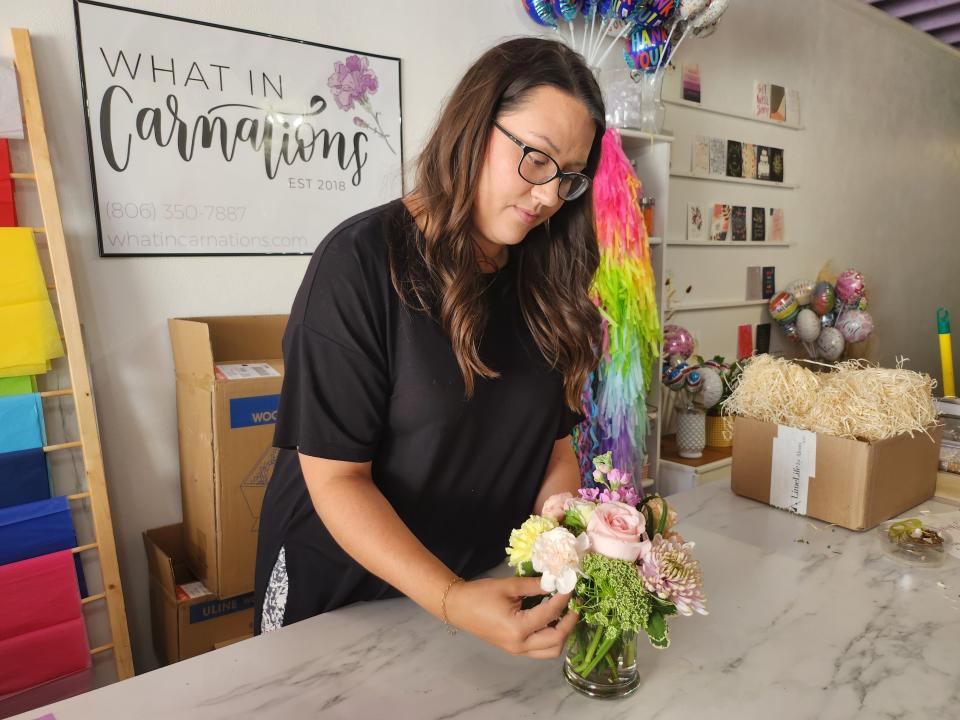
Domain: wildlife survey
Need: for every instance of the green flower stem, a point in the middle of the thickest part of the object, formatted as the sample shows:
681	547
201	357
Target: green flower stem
590	650
613	667
578	641
604	649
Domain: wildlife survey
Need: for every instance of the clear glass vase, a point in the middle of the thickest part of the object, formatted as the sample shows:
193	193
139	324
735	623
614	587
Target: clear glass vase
621	97
652	111
600	666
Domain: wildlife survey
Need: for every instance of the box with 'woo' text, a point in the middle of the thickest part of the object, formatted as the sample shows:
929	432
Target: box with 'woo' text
229	374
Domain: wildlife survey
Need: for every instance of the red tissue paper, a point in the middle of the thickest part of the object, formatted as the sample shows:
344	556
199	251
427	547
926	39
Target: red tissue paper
8	208
42	633
5	166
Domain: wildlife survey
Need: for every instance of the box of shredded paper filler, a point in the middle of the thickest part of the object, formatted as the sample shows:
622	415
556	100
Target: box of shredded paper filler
851	483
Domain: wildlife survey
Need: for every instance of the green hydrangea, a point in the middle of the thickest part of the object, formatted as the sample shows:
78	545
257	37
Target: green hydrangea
611	595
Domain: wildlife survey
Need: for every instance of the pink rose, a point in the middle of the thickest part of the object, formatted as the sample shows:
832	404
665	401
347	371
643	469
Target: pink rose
616	530
553	506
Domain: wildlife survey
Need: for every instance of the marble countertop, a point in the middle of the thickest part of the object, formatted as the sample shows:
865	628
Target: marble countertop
806	621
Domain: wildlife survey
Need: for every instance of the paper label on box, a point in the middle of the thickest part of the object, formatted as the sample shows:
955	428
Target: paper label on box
219	608
191	590
794	463
243	371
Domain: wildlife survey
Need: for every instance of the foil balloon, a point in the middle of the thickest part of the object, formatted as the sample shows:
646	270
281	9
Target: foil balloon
689	8
808	325
855	325
623	9
695	380
801	290
823	299
566	9
603	8
540	11
657	11
712	387
850	287
705	31
711	15
677	342
783	307
828	320
588	8
674	378
790	330
862	303
714	365
830	344
644	48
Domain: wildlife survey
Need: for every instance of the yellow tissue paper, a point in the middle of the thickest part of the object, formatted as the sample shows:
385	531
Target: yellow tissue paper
29	337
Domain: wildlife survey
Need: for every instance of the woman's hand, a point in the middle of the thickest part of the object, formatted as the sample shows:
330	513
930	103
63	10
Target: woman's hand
490	609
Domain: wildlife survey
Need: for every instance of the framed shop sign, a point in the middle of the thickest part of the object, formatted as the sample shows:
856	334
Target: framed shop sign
212	140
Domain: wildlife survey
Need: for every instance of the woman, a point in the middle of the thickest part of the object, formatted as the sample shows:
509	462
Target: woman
434	359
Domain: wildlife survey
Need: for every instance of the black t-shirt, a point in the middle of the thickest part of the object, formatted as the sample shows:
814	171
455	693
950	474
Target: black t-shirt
368	379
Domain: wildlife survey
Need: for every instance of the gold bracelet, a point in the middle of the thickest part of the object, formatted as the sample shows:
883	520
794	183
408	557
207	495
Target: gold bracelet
443	605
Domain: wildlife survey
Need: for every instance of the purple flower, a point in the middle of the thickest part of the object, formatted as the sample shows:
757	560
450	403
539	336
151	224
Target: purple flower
352	81
629	495
609	496
590	494
668	569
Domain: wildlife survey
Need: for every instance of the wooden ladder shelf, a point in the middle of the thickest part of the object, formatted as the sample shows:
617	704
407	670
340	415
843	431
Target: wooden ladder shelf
80	390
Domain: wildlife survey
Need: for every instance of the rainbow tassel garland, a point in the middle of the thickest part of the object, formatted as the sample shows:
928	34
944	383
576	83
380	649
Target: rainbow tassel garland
614	400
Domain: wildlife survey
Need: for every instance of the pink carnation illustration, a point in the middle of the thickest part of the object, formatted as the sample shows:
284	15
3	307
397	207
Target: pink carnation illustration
352	83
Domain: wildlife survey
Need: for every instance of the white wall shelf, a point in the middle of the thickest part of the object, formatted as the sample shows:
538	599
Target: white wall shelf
729	243
656	241
639	135
739	116
706	467
742	181
715	305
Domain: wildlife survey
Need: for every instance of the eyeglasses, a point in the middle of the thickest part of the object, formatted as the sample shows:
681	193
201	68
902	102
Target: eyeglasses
538	168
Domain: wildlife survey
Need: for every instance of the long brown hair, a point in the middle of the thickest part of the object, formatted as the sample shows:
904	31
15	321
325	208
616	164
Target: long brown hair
557	259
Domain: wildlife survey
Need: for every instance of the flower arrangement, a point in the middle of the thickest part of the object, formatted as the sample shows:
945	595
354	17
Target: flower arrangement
627	567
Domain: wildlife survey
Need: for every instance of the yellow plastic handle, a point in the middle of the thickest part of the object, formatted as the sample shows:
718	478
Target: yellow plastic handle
946	364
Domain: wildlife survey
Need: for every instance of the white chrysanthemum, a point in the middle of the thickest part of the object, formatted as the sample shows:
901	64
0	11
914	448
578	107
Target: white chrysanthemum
556	554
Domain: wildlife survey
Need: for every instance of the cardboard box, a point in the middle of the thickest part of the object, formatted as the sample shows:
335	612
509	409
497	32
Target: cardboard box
850	483
187	618
228	388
